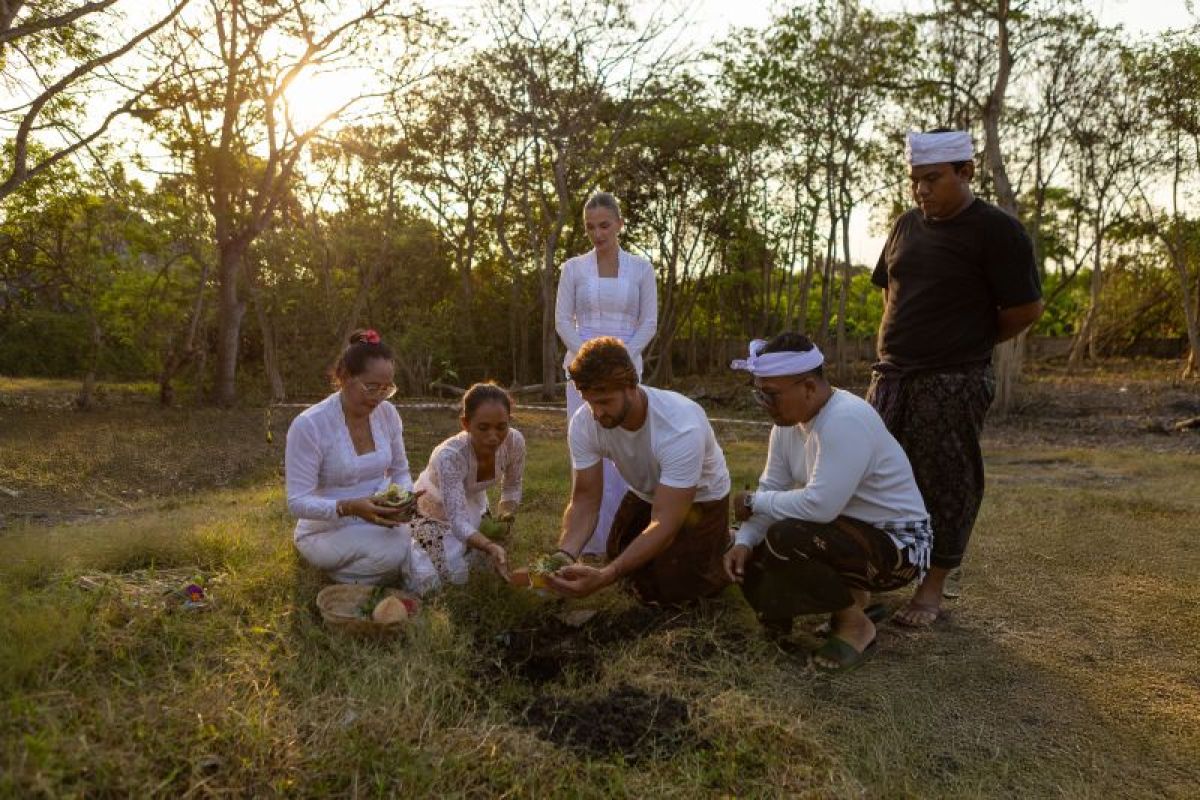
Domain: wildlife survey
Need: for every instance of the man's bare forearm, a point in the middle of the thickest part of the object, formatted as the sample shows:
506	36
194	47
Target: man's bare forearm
579	523
656	538
1011	321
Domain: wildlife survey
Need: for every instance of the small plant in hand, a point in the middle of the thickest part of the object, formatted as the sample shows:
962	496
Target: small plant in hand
544	566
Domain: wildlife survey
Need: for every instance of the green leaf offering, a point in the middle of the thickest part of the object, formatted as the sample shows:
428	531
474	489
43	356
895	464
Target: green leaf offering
394	496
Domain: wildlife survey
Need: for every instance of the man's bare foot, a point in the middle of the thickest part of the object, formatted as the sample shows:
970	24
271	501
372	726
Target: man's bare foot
926	604
953	588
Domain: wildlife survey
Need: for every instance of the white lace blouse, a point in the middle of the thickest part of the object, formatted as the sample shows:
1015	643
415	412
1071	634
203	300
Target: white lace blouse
588	306
322	466
452	493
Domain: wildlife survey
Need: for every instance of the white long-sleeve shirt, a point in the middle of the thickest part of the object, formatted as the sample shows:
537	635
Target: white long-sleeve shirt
454	495
322	466
588	306
843	462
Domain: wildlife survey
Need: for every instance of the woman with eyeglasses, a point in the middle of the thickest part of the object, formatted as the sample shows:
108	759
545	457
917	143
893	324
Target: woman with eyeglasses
485	453
342	451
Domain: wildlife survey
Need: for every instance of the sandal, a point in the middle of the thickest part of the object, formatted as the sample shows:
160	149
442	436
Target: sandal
876	612
919	608
842	653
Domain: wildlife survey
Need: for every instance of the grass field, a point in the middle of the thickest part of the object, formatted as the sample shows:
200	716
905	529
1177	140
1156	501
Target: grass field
1067	669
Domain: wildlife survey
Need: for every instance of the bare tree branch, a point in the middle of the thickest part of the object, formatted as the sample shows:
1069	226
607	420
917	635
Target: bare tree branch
20	171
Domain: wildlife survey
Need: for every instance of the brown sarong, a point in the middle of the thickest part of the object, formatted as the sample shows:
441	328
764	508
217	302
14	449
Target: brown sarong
809	568
690	567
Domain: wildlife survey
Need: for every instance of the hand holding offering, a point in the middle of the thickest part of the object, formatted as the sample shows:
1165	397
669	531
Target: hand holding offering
546	565
399	504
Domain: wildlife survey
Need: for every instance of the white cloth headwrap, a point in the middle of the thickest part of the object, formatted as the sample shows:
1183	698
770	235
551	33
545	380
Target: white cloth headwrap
938	148
784	362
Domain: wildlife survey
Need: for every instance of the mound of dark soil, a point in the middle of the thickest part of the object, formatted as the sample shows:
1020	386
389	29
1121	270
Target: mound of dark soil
628	721
543	654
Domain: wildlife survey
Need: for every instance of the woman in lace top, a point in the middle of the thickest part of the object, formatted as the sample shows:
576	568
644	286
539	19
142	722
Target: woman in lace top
455	483
605	292
340	452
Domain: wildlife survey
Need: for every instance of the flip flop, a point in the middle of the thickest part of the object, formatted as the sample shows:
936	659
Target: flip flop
842	653
923	608
876	612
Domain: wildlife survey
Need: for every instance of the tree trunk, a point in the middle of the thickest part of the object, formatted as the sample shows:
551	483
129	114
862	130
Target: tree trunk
810	247
843	293
550	365
1084	347
270	354
692	362
1189	311
1008	357
230	310
201	371
664	371
176	360
86	400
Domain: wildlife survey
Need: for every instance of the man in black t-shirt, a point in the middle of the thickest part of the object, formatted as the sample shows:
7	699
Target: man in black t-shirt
958	277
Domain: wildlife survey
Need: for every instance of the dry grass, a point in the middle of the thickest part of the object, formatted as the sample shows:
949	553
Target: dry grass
1067	669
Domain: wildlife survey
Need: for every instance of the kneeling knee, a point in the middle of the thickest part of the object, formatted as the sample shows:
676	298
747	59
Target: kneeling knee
789	539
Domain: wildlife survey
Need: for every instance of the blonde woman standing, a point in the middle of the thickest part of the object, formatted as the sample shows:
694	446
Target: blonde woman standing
605	292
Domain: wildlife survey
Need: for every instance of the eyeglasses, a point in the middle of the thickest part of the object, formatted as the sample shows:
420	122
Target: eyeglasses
383	390
769	399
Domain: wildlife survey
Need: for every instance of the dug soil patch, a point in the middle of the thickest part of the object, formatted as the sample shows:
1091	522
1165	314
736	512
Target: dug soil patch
545	650
627	721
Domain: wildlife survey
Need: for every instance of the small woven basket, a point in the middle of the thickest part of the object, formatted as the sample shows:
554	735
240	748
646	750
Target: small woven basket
341	608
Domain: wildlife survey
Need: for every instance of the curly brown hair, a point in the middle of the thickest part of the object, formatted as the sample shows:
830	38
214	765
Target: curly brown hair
603	364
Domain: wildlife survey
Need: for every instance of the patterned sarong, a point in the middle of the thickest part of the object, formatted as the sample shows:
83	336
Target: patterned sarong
937	417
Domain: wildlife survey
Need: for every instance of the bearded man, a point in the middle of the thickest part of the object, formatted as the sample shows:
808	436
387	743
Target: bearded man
672	527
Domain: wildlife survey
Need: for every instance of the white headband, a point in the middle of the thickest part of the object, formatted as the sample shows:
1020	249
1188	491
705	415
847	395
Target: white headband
784	362
938	148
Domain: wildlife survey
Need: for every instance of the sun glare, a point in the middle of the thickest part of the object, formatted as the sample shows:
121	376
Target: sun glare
313	96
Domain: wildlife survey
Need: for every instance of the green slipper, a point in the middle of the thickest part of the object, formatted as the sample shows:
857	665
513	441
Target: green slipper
876	612
843	654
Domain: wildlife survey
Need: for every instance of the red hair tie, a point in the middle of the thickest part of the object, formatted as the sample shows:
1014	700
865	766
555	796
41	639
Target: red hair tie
370	336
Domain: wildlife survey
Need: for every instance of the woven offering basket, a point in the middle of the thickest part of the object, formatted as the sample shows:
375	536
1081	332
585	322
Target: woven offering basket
341	607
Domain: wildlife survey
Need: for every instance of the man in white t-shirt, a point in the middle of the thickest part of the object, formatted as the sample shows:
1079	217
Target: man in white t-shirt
672	527
837	513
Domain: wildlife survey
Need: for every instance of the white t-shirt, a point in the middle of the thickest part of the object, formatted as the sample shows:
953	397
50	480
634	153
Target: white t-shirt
843	462
675	447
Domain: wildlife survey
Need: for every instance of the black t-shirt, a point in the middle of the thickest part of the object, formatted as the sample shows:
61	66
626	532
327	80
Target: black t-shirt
946	279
